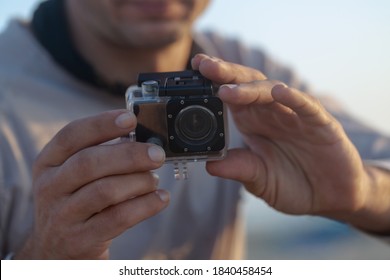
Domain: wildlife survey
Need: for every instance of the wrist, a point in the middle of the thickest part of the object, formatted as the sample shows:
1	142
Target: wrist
373	215
26	252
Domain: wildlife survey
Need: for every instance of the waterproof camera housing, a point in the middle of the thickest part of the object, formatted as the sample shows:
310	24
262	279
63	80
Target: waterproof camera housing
180	112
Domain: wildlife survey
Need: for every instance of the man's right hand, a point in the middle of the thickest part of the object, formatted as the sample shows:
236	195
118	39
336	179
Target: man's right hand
87	193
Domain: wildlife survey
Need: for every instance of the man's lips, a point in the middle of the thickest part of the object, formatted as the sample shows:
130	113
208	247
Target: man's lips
155	9
152	8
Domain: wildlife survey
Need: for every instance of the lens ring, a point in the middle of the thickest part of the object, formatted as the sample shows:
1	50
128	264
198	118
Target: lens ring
196	125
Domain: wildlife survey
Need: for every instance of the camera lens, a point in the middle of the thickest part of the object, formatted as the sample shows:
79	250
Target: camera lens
195	125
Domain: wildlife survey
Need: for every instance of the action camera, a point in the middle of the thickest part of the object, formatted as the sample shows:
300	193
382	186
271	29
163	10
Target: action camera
180	112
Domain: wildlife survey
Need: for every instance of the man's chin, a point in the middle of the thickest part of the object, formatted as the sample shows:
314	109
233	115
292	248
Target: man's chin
155	36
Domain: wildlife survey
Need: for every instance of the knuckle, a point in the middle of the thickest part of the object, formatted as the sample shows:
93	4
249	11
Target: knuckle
42	185
104	192
306	109
65	137
83	162
121	218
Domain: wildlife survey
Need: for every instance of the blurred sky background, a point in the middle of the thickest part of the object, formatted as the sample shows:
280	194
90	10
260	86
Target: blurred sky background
340	47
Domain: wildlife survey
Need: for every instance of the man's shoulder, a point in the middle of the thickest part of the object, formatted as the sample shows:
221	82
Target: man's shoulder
17	45
25	63
20	53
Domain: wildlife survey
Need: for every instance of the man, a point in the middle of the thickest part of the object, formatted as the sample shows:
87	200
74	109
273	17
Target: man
63	75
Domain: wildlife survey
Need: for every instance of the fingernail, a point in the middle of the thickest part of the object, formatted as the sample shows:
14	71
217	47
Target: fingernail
201	55
276	90
164	196
280	84
156	179
156	153
231	86
125	120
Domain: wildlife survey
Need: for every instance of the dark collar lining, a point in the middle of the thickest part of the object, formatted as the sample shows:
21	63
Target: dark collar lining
50	27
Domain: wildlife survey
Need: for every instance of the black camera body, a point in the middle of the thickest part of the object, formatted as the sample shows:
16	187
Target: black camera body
180	112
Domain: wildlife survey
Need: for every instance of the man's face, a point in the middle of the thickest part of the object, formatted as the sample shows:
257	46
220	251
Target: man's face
138	23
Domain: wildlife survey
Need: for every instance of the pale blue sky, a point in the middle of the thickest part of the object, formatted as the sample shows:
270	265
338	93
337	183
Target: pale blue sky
339	47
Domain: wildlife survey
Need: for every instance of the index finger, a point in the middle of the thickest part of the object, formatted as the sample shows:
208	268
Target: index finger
86	132
223	72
